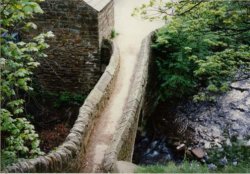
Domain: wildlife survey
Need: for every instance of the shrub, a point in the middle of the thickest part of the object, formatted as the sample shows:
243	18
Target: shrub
202	47
17	63
193	167
185	167
236	152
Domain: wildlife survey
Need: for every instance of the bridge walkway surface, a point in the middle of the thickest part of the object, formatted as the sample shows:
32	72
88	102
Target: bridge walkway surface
131	31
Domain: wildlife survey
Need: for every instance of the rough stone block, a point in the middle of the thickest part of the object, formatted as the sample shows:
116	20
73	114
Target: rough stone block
124	167
78	127
104	82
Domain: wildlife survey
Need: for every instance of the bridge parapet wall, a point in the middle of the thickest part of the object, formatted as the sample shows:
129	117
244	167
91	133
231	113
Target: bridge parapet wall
122	146
66	158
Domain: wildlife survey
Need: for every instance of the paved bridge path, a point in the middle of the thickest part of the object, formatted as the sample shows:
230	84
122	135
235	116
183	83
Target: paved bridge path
131	32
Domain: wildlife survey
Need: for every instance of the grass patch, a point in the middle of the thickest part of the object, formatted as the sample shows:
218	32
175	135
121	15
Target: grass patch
185	167
113	34
193	167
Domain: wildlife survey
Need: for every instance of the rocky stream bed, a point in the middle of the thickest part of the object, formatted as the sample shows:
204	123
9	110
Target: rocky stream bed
189	129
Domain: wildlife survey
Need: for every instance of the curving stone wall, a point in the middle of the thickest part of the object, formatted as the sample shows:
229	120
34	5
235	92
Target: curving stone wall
121	148
67	157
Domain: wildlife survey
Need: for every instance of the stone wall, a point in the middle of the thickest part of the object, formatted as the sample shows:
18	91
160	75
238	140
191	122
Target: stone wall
122	146
151	93
106	21
67	157
74	61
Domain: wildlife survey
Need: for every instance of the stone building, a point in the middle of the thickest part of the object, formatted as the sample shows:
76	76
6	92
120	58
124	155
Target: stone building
74	61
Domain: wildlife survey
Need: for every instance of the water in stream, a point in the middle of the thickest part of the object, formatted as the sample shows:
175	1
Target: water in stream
156	142
149	151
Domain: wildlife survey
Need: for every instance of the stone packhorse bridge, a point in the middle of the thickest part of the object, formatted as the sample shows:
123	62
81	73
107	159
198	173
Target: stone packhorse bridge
105	129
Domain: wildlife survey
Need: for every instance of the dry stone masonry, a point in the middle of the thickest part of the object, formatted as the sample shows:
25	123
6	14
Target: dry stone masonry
67	157
74	62
122	145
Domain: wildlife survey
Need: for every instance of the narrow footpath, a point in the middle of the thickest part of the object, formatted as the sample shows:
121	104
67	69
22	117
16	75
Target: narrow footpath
131	32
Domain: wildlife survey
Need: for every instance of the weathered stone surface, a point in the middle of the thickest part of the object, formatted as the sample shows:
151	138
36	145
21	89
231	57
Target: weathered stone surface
74	60
122	145
74	148
75	57
105	81
44	165
67	156
181	147
213	123
198	152
78	127
124	167
97	4
58	162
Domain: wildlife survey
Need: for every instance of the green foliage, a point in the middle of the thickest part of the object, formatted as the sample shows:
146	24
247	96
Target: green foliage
65	98
235	152
17	63
151	169
202	47
193	167
18	139
185	167
113	34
